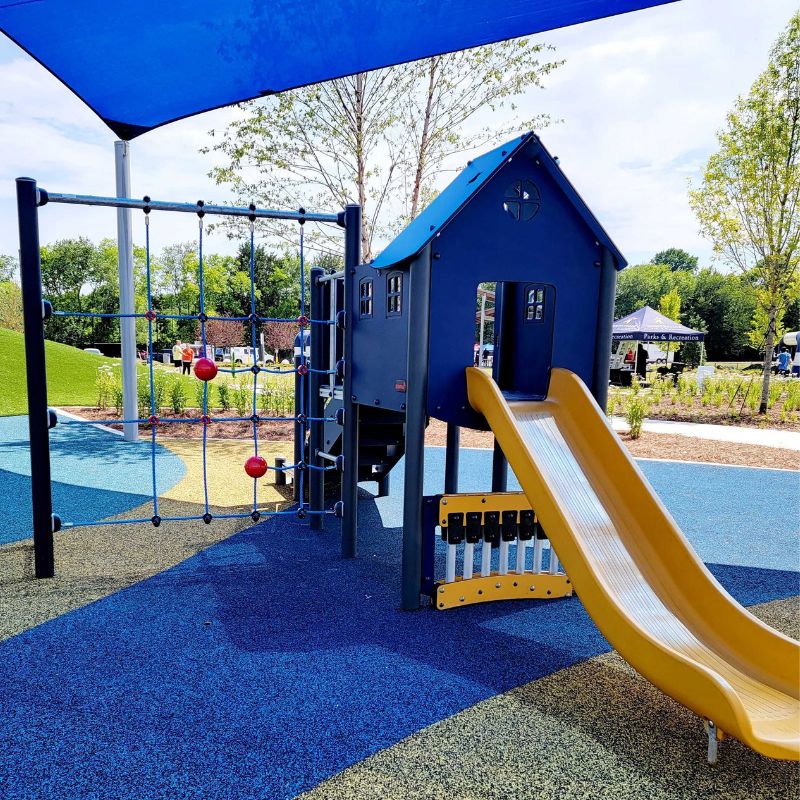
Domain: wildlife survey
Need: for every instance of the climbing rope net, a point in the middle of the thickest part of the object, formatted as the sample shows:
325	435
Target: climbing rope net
206	369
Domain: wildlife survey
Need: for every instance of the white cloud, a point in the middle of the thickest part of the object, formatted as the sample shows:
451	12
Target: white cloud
641	97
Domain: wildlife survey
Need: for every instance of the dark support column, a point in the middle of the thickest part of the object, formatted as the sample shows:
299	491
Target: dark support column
416	416
383	485
299	444
316	405
499	462
605	322
352	258
451	459
38	416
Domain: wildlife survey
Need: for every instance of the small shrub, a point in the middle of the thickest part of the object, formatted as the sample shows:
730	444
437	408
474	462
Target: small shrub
611	405
177	396
635	412
243	398
143	397
117	397
636	385
103	384
199	394
160	382
224	394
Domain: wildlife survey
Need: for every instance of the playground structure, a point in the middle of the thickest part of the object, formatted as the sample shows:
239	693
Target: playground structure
392	346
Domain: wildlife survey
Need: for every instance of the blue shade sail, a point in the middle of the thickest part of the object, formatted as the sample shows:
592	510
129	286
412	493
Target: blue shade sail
141	65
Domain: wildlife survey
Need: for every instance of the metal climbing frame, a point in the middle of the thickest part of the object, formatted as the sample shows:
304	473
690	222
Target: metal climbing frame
36	311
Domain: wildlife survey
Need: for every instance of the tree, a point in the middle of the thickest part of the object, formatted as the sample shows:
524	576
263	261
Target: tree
747	204
279	336
379	139
11	306
676	259
669	305
221	333
8	267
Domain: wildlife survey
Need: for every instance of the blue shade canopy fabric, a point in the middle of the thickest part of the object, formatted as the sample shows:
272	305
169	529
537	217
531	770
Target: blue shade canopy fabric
141	65
648	325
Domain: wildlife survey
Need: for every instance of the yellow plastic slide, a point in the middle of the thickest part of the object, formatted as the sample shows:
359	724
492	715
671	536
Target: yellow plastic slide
636	574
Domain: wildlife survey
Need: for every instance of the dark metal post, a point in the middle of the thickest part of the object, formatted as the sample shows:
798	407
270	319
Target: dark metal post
352	258
38	424
605	322
499	461
451	459
316	405
384	484
416	417
299	444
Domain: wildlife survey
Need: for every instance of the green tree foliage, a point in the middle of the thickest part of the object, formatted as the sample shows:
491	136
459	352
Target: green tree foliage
379	139
8	267
748	204
676	259
669	305
720	304
10	306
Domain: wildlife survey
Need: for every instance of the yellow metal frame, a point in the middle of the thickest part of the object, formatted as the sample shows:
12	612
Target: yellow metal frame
528	586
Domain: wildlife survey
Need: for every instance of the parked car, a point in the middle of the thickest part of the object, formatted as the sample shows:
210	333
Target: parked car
93	350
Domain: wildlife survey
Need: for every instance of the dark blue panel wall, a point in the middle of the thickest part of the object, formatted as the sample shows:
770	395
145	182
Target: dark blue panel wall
544	240
380	343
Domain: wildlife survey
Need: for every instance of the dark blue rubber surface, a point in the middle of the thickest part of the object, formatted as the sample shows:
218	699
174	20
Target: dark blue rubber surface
96	474
69	501
265	664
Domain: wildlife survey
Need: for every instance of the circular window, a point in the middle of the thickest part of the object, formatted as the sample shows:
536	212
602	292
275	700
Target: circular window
522	200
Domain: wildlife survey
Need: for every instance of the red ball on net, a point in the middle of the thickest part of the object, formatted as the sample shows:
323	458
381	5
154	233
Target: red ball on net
205	369
256	467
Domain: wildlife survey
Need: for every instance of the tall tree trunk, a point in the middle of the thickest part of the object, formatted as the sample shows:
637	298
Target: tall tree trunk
769	348
423	140
361	166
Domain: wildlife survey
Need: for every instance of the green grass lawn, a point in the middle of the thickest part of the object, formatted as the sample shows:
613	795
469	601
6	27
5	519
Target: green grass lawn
71	376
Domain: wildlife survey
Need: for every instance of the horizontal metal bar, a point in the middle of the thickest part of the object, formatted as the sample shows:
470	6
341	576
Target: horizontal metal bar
187	208
332	276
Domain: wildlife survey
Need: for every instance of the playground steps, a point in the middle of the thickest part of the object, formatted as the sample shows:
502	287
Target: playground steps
381	436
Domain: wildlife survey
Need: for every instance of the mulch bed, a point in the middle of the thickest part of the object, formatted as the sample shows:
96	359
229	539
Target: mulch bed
649	445
267	431
658	445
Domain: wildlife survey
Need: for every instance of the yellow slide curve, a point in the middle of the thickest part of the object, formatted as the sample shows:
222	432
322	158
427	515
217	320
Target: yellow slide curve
634	571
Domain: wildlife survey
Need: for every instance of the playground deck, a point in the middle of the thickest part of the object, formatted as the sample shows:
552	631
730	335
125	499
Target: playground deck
265	666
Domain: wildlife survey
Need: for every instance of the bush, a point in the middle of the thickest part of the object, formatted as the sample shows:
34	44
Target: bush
224	393
177	396
199	394
117	395
104	383
160	383
143	397
243	398
635	412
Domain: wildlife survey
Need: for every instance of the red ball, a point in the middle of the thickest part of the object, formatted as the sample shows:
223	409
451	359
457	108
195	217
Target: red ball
256	467
205	369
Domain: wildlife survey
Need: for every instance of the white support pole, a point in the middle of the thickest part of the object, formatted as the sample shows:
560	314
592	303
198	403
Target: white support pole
469	559
450	568
521	550
483	322
486	560
127	304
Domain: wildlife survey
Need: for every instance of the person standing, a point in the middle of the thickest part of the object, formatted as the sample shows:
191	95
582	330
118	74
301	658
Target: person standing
187	356
784	361
177	353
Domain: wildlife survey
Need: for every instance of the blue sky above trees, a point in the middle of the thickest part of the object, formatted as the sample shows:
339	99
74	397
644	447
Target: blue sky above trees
640	96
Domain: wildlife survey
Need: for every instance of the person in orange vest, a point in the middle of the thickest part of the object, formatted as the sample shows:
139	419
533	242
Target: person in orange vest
187	356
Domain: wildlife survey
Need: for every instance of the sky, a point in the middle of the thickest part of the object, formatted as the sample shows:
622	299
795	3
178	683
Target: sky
640	99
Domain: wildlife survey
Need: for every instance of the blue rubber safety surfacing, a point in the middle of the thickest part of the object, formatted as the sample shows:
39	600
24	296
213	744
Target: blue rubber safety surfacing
96	474
265	664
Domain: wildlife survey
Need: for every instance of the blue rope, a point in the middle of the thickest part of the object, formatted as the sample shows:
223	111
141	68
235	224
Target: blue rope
254	346
200	275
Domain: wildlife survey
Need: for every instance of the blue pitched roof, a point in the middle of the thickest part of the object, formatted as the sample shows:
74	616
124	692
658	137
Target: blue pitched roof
141	65
467	184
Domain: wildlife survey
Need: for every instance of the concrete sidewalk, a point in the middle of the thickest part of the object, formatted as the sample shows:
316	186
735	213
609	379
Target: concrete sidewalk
765	437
